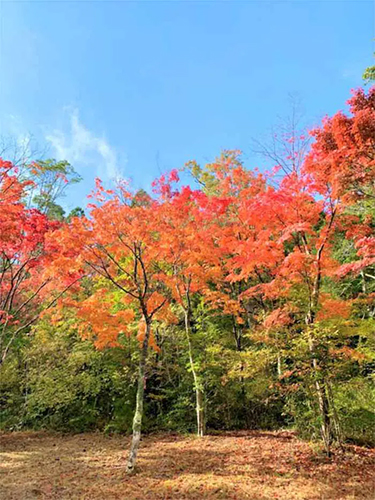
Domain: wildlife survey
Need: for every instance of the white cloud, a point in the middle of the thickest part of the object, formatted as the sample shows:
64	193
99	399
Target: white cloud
82	148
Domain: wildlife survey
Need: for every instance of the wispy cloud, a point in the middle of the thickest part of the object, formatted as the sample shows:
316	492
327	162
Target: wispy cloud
82	148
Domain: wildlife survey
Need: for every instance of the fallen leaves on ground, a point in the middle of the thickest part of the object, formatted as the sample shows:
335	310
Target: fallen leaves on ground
240	465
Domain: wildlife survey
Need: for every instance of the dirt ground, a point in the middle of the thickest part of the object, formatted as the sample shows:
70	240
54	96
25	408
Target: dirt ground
243	465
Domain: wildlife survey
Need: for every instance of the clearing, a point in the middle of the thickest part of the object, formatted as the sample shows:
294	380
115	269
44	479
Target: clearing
241	465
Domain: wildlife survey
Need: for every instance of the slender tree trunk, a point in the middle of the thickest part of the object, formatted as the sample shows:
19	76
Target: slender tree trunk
326	427
364	286
320	384
335	416
323	401
279	368
137	420
237	332
199	395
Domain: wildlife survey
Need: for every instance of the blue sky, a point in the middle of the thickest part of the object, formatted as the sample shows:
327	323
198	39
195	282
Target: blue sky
137	88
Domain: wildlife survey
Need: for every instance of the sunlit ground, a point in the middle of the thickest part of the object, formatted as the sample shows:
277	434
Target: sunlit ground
245	465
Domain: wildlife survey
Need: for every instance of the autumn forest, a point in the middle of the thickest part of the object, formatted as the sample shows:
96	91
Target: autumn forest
222	301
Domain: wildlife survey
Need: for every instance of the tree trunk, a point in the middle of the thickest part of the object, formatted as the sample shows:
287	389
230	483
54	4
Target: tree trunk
237	332
200	412
279	368
326	428
323	401
137	420
199	395
320	385
335	417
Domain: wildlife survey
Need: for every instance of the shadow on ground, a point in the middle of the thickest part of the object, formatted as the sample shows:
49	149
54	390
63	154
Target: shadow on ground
252	465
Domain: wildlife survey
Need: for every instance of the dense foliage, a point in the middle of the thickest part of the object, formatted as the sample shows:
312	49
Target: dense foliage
246	302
